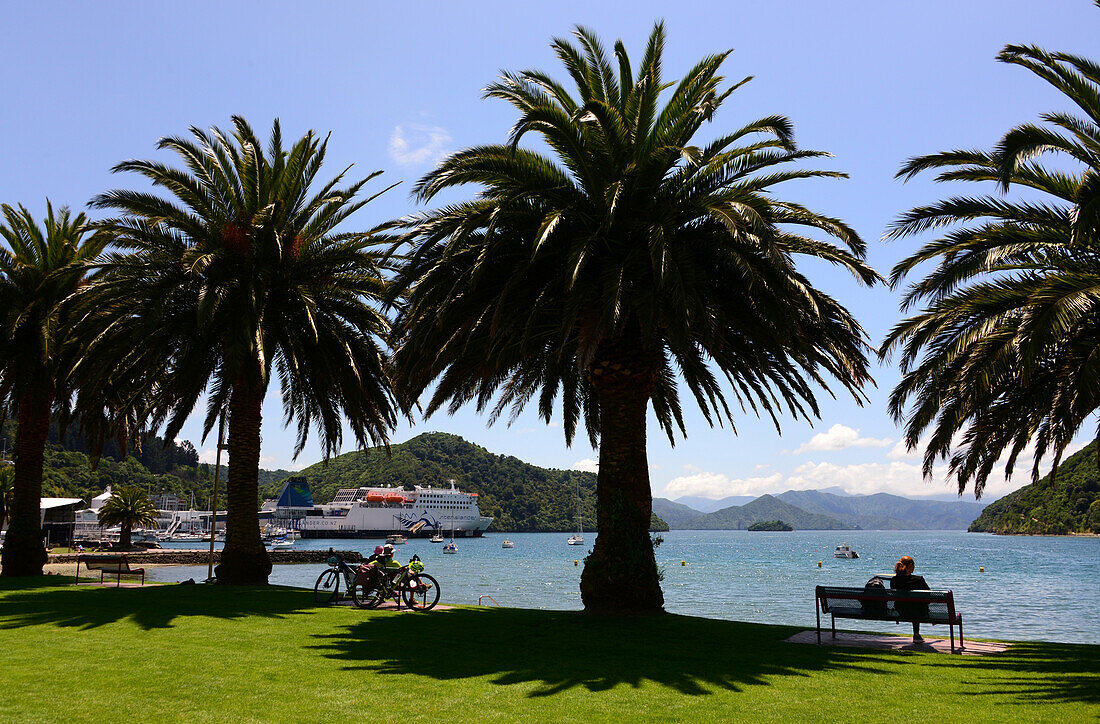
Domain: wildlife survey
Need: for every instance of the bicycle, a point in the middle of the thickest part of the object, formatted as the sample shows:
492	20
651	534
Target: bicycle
407	584
327	588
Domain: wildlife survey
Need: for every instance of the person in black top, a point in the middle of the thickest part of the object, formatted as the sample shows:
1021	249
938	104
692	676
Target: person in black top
369	569
904	580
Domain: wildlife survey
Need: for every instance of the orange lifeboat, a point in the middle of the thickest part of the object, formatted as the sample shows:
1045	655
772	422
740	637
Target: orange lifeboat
375	497
395	498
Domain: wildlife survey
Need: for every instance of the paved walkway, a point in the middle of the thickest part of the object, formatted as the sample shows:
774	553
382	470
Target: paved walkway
897	643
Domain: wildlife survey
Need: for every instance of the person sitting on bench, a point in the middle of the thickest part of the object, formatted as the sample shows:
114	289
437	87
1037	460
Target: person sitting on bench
904	580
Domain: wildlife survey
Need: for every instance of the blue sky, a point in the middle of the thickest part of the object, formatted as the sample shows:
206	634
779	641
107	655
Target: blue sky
87	85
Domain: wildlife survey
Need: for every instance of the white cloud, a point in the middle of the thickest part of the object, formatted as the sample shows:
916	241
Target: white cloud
901	452
898	477
840	437
717	485
418	145
209	455
588	465
900	474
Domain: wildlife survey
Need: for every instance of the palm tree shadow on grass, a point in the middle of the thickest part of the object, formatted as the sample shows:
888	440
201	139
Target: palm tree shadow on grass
1037	672
59	603
564	650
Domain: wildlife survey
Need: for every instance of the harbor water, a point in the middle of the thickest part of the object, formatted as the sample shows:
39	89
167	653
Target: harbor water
1032	588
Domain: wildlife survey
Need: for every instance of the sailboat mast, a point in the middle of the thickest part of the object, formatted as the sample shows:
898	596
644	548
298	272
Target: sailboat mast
580	526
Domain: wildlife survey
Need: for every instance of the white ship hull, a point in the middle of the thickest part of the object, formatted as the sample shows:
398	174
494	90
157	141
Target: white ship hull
380	512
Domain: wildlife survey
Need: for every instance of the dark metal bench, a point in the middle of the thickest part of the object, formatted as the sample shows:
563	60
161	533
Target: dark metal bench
883	604
117	566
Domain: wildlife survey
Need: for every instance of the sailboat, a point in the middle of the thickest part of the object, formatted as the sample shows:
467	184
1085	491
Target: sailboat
577	538
437	538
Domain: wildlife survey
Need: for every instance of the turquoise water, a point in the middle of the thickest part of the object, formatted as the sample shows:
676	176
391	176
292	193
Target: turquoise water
1033	588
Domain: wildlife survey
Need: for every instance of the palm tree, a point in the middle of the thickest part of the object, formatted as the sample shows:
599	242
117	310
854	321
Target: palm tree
238	276
128	507
1003	353
624	260
40	269
7	490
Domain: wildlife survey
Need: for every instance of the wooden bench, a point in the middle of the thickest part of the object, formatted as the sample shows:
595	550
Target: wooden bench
884	604
116	565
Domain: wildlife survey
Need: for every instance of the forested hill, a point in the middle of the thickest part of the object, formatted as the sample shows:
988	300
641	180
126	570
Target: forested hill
519	496
155	467
1069	504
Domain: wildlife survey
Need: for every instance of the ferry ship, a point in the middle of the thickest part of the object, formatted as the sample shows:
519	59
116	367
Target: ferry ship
378	512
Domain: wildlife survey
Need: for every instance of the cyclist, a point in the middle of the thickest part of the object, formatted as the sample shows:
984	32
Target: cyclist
387	558
369	568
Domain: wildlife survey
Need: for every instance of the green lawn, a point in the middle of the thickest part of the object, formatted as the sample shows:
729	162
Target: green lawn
198	653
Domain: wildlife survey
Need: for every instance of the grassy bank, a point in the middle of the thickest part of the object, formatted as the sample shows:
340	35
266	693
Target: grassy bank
197	653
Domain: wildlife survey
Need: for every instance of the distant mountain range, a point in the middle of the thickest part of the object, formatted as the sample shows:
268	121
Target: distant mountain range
698	505
764	508
820	510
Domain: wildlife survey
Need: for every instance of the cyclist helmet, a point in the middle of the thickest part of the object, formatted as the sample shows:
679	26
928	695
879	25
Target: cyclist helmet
387	550
378	550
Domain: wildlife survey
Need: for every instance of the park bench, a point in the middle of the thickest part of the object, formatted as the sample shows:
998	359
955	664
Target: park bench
884	604
116	565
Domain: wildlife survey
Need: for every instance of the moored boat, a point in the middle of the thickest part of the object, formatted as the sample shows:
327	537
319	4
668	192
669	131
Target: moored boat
844	551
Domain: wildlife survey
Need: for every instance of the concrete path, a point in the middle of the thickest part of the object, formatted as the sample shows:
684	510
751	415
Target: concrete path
898	643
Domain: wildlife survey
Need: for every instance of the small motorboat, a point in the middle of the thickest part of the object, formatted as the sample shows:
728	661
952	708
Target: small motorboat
507	544
450	547
844	551
282	545
396	539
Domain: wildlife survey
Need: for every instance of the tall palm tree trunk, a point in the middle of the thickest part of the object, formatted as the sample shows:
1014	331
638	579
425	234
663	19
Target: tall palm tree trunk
24	552
621	572
244	560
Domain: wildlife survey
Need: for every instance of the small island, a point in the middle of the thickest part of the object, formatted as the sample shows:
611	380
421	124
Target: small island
770	525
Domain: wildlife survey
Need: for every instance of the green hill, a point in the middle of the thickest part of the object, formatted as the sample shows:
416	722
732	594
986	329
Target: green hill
158	468
765	508
770	525
1069	504
677	515
521	497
